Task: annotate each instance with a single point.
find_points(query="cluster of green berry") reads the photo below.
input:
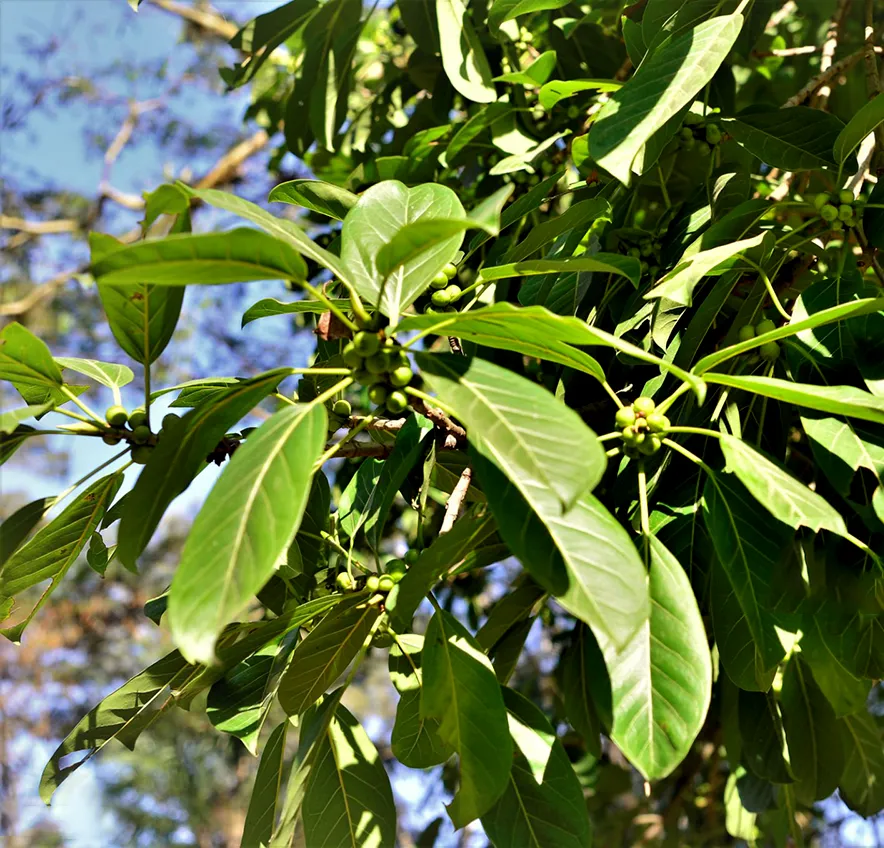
(641, 427)
(840, 215)
(644, 246)
(769, 350)
(394, 571)
(338, 415)
(381, 365)
(134, 428)
(698, 135)
(444, 293)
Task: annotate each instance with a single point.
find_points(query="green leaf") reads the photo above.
(245, 525)
(415, 740)
(54, 549)
(261, 814)
(862, 781)
(838, 400)
(502, 11)
(348, 800)
(382, 211)
(761, 735)
(240, 255)
(748, 544)
(583, 556)
(816, 755)
(844, 691)
(518, 425)
(415, 239)
(269, 307)
(10, 419)
(679, 284)
(10, 443)
(25, 361)
(795, 139)
(175, 461)
(662, 680)
(579, 215)
(787, 499)
(554, 91)
(664, 84)
(325, 198)
(461, 690)
(869, 116)
(536, 74)
(98, 556)
(586, 688)
(463, 57)
(16, 528)
(107, 373)
(606, 263)
(483, 120)
(543, 803)
(324, 654)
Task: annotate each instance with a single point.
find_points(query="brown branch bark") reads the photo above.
(39, 228)
(210, 21)
(456, 500)
(823, 78)
(452, 430)
(873, 78)
(830, 45)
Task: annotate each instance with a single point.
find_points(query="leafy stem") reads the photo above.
(91, 413)
(320, 295)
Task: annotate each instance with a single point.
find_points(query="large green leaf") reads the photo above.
(518, 425)
(578, 216)
(870, 116)
(841, 447)
(748, 543)
(348, 802)
(175, 461)
(415, 739)
(463, 57)
(11, 418)
(382, 211)
(585, 688)
(838, 400)
(662, 680)
(462, 692)
(15, 529)
(794, 139)
(107, 373)
(25, 361)
(662, 86)
(236, 256)
(862, 781)
(816, 755)
(583, 556)
(762, 740)
(788, 499)
(556, 90)
(269, 307)
(502, 11)
(536, 74)
(54, 549)
(261, 814)
(325, 198)
(324, 654)
(543, 803)
(11, 442)
(245, 525)
(846, 692)
(606, 263)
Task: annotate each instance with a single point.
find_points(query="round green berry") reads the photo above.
(396, 566)
(382, 640)
(377, 364)
(137, 417)
(688, 143)
(746, 333)
(692, 119)
(440, 281)
(837, 226)
(396, 402)
(845, 212)
(141, 434)
(713, 134)
(386, 583)
(366, 343)
(440, 298)
(650, 445)
(820, 200)
(401, 376)
(454, 292)
(377, 394)
(110, 439)
(624, 417)
(364, 377)
(141, 454)
(658, 423)
(342, 408)
(686, 133)
(643, 406)
(372, 583)
(116, 415)
(352, 358)
(765, 326)
(171, 422)
(450, 270)
(845, 196)
(769, 351)
(630, 435)
(634, 252)
(703, 149)
(828, 212)
(411, 556)
(344, 581)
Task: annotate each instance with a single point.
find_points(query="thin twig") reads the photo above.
(781, 14)
(39, 228)
(873, 80)
(439, 418)
(209, 21)
(822, 78)
(830, 45)
(785, 52)
(456, 499)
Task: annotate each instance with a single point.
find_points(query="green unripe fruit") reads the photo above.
(845, 212)
(688, 143)
(703, 149)
(342, 408)
(396, 402)
(137, 417)
(411, 556)
(765, 326)
(624, 417)
(440, 298)
(634, 252)
(573, 112)
(382, 640)
(110, 439)
(837, 226)
(845, 196)
(344, 582)
(385, 583)
(141, 454)
(650, 445)
(116, 415)
(686, 133)
(828, 212)
(692, 119)
(396, 566)
(450, 270)
(746, 333)
(171, 422)
(401, 376)
(646, 249)
(630, 435)
(377, 394)
(769, 351)
(713, 134)
(372, 583)
(366, 343)
(377, 364)
(364, 377)
(141, 434)
(658, 423)
(439, 281)
(454, 292)
(643, 406)
(820, 200)
(352, 358)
